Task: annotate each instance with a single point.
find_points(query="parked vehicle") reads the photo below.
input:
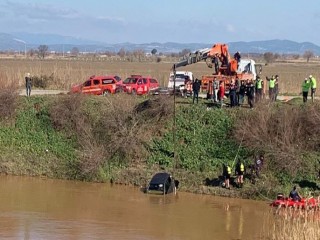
(98, 85)
(137, 84)
(180, 79)
(162, 183)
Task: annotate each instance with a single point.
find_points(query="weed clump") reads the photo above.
(110, 131)
(288, 135)
(8, 98)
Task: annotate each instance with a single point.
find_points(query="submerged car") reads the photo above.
(162, 183)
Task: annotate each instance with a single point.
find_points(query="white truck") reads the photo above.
(180, 79)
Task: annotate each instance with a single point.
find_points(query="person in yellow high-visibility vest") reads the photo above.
(227, 175)
(305, 89)
(272, 85)
(313, 86)
(239, 172)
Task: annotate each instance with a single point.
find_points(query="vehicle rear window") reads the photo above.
(130, 80)
(107, 81)
(153, 80)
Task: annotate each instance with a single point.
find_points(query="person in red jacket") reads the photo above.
(221, 92)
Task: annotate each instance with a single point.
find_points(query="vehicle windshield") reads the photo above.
(117, 78)
(130, 80)
(178, 77)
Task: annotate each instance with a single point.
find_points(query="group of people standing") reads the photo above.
(238, 90)
(309, 83)
(240, 170)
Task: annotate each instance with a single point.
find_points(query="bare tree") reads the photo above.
(74, 51)
(122, 52)
(154, 51)
(308, 54)
(269, 57)
(184, 52)
(295, 56)
(42, 51)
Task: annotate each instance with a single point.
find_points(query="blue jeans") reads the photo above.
(195, 95)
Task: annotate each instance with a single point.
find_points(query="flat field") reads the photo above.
(68, 72)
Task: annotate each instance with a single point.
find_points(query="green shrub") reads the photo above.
(202, 141)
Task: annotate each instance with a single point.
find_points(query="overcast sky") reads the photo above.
(184, 21)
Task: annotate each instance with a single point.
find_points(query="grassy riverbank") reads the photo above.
(126, 140)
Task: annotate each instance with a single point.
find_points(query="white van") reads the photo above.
(180, 78)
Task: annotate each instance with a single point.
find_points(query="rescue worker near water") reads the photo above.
(305, 89)
(239, 172)
(313, 86)
(227, 175)
(259, 88)
(294, 195)
(272, 85)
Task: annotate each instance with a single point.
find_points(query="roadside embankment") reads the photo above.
(126, 139)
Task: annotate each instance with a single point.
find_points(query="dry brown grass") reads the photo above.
(69, 72)
(8, 97)
(285, 133)
(120, 132)
(290, 223)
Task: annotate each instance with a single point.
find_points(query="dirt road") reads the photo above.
(42, 92)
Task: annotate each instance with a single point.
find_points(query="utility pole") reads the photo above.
(25, 46)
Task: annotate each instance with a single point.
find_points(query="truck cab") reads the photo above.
(180, 79)
(249, 66)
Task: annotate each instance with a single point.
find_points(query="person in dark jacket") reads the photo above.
(294, 195)
(250, 92)
(242, 92)
(28, 84)
(196, 89)
(233, 94)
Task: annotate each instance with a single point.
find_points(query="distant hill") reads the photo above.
(18, 41)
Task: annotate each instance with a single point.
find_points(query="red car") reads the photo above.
(98, 85)
(137, 84)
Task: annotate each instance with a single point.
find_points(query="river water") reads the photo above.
(35, 208)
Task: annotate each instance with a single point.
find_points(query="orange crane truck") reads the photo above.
(226, 68)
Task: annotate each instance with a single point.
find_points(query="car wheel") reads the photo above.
(119, 90)
(106, 93)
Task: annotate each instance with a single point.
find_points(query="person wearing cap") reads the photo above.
(305, 89)
(28, 84)
(313, 86)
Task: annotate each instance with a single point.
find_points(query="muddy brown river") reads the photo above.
(34, 208)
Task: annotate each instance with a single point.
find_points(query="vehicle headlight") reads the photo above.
(160, 185)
